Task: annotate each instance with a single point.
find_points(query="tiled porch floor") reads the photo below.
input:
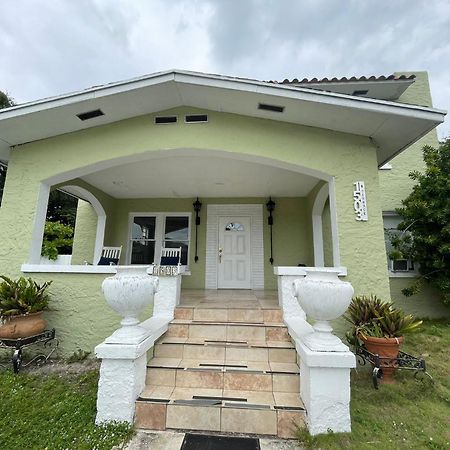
(229, 299)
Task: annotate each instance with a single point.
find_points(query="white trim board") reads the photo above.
(255, 212)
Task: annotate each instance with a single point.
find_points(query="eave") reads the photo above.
(391, 126)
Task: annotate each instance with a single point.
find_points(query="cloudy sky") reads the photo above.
(53, 47)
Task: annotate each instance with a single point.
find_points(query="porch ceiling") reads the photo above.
(205, 176)
(392, 126)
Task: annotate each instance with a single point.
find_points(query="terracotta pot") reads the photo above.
(22, 326)
(385, 348)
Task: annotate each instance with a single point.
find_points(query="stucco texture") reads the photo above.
(345, 157)
(395, 184)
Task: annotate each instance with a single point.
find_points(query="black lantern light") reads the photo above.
(197, 207)
(270, 207)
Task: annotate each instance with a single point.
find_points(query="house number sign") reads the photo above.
(359, 201)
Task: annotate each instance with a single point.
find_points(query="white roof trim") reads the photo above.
(15, 119)
(261, 87)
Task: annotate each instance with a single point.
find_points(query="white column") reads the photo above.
(317, 211)
(39, 224)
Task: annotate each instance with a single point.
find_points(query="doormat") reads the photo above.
(207, 442)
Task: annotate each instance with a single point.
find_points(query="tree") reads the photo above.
(426, 215)
(5, 100)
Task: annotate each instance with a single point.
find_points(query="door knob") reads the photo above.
(220, 254)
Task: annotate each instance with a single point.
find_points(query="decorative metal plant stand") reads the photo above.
(47, 338)
(404, 361)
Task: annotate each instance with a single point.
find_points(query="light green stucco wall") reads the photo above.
(395, 183)
(84, 235)
(361, 244)
(425, 304)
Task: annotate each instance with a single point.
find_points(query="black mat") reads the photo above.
(205, 442)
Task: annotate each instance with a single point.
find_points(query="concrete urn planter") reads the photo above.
(324, 297)
(128, 293)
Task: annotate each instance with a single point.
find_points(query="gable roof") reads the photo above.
(392, 126)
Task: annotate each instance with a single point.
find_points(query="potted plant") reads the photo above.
(21, 304)
(379, 326)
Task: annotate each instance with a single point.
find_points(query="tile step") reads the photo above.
(215, 314)
(185, 348)
(219, 415)
(221, 377)
(225, 364)
(228, 331)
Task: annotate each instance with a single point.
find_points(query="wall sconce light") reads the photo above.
(197, 207)
(270, 205)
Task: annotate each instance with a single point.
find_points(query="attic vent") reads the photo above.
(362, 92)
(165, 119)
(90, 114)
(273, 108)
(196, 118)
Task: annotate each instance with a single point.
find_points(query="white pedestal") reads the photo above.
(121, 382)
(168, 296)
(325, 389)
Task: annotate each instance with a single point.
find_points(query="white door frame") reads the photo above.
(213, 212)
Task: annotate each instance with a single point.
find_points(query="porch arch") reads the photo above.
(41, 212)
(68, 180)
(150, 154)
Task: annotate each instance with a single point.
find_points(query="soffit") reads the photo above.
(392, 126)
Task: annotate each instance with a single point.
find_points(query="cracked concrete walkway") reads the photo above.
(167, 440)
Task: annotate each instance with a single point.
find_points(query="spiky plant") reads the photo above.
(371, 316)
(22, 296)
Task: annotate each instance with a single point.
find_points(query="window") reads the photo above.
(234, 226)
(149, 233)
(397, 266)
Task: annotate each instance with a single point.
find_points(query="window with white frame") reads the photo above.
(150, 232)
(390, 223)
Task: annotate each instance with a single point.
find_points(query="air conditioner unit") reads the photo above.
(400, 265)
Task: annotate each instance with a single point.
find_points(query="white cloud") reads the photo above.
(49, 48)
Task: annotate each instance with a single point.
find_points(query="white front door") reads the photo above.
(234, 257)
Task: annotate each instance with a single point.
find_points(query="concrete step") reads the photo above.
(224, 410)
(197, 348)
(244, 331)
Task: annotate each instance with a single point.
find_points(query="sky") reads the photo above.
(53, 47)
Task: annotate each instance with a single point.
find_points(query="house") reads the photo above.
(331, 155)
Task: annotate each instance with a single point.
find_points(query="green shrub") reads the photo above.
(58, 239)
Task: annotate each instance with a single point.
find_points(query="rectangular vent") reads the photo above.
(361, 92)
(196, 118)
(165, 119)
(90, 114)
(273, 108)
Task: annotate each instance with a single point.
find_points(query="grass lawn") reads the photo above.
(411, 414)
(57, 412)
(53, 412)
